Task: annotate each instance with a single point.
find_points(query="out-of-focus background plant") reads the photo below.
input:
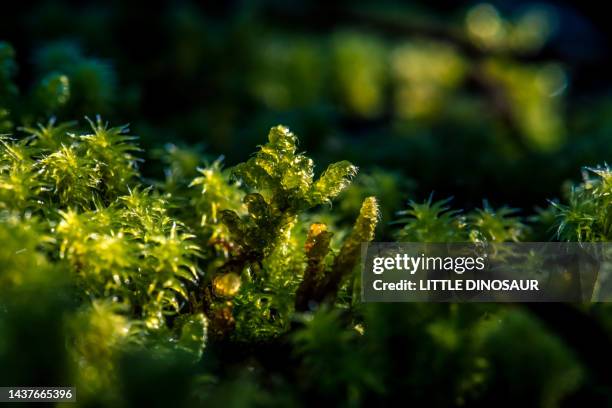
(467, 99)
(157, 272)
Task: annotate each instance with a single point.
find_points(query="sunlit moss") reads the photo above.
(24, 263)
(435, 222)
(586, 216)
(268, 252)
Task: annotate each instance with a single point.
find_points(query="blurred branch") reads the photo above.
(499, 102)
(394, 22)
